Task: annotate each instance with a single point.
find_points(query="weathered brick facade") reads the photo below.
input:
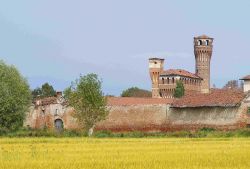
(142, 114)
(164, 81)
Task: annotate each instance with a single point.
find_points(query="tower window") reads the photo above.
(155, 62)
(207, 42)
(200, 42)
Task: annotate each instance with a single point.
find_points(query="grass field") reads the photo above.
(151, 153)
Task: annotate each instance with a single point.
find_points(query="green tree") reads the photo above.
(15, 98)
(86, 97)
(179, 90)
(36, 92)
(136, 92)
(46, 90)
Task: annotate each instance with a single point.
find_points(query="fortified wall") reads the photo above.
(226, 111)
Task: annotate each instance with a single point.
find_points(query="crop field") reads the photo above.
(151, 153)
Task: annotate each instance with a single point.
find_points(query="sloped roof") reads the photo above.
(125, 101)
(203, 37)
(179, 72)
(216, 98)
(246, 78)
(156, 59)
(46, 101)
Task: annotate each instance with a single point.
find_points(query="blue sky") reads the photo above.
(57, 40)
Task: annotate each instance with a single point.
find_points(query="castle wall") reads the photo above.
(211, 117)
(163, 118)
(152, 117)
(135, 117)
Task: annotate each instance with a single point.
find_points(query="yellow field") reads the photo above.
(52, 153)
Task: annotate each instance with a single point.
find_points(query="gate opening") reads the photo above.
(59, 125)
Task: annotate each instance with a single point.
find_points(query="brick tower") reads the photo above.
(155, 68)
(203, 47)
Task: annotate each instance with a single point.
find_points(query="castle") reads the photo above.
(224, 109)
(164, 81)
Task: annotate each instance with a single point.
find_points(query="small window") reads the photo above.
(200, 42)
(155, 62)
(56, 112)
(162, 80)
(207, 42)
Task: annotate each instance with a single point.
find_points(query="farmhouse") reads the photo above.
(224, 109)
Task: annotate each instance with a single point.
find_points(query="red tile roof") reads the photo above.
(125, 101)
(246, 78)
(216, 98)
(179, 72)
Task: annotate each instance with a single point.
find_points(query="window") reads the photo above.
(248, 110)
(56, 112)
(162, 80)
(207, 42)
(200, 42)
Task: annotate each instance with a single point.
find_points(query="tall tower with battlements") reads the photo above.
(156, 66)
(203, 47)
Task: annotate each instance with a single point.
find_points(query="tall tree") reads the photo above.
(136, 92)
(179, 90)
(15, 98)
(86, 97)
(48, 90)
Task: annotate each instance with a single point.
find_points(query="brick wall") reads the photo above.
(151, 117)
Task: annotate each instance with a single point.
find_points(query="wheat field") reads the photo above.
(150, 153)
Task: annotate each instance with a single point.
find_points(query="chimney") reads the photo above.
(246, 86)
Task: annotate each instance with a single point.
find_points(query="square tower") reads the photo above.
(156, 66)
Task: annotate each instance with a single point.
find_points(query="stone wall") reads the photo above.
(40, 117)
(150, 117)
(135, 117)
(211, 117)
(163, 118)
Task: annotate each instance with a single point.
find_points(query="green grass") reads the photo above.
(202, 133)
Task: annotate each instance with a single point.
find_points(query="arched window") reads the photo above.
(168, 80)
(162, 80)
(207, 42)
(173, 79)
(199, 42)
